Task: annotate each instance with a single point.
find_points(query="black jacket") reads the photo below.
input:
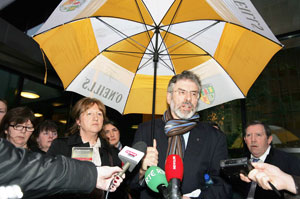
(40, 175)
(35, 148)
(63, 146)
(286, 162)
(205, 148)
(108, 154)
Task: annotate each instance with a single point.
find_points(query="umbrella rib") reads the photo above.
(183, 56)
(183, 40)
(167, 65)
(188, 55)
(149, 37)
(187, 39)
(124, 35)
(171, 23)
(150, 59)
(126, 52)
(163, 39)
(145, 64)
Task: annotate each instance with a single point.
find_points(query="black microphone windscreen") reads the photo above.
(140, 146)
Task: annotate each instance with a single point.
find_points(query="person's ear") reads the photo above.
(169, 97)
(270, 138)
(78, 122)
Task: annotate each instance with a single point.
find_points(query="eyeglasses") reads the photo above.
(19, 127)
(183, 93)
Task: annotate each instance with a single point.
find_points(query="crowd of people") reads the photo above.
(95, 141)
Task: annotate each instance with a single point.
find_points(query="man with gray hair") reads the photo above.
(200, 146)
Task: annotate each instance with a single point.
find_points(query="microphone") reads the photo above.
(132, 156)
(174, 174)
(155, 179)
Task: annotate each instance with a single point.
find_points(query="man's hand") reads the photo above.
(150, 159)
(265, 173)
(105, 175)
(244, 178)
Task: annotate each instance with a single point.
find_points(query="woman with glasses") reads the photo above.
(17, 126)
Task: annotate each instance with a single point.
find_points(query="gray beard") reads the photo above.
(179, 114)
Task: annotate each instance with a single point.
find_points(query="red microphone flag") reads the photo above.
(174, 167)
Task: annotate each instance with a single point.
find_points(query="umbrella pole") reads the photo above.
(155, 61)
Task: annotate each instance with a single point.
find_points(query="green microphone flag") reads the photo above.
(154, 177)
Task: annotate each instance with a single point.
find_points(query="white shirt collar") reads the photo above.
(96, 154)
(186, 138)
(264, 156)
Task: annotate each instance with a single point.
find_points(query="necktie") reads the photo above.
(253, 184)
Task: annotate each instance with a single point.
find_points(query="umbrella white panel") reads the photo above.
(217, 86)
(104, 80)
(231, 10)
(59, 16)
(205, 34)
(275, 128)
(158, 8)
(107, 36)
(275, 139)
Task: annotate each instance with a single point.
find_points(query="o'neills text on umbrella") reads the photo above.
(102, 91)
(242, 6)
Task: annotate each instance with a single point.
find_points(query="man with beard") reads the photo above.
(200, 146)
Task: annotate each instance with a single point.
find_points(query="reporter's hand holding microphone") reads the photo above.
(109, 178)
(264, 174)
(105, 176)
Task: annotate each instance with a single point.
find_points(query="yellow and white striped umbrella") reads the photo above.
(113, 49)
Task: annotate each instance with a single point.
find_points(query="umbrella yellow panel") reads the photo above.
(244, 54)
(286, 136)
(238, 143)
(140, 96)
(125, 9)
(80, 45)
(189, 11)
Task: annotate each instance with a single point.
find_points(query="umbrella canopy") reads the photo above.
(238, 143)
(125, 52)
(280, 136)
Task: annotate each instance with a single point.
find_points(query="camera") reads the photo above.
(233, 167)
